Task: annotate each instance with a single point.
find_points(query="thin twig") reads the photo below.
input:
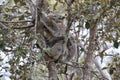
(24, 26)
(16, 21)
(3, 26)
(71, 65)
(93, 72)
(36, 20)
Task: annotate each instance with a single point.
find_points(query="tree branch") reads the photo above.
(16, 21)
(24, 26)
(3, 26)
(90, 53)
(71, 64)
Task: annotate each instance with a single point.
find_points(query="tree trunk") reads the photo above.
(52, 71)
(89, 58)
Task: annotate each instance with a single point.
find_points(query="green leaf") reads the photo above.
(2, 45)
(21, 17)
(54, 7)
(111, 71)
(82, 49)
(87, 25)
(104, 68)
(101, 54)
(24, 52)
(116, 44)
(16, 1)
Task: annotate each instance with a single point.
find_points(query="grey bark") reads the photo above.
(52, 71)
(87, 72)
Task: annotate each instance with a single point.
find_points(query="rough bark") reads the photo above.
(90, 54)
(52, 71)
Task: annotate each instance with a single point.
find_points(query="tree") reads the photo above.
(55, 34)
